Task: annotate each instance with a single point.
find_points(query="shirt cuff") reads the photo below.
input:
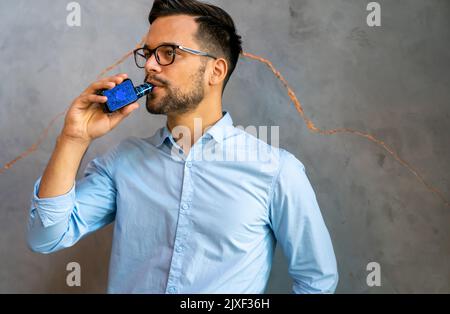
(53, 210)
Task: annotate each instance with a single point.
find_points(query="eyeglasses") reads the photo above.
(164, 54)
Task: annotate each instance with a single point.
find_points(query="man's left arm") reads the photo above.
(298, 226)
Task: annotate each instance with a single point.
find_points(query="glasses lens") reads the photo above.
(165, 55)
(140, 57)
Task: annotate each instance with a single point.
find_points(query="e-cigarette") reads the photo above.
(124, 94)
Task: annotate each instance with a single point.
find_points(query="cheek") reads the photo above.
(181, 84)
(183, 78)
(177, 79)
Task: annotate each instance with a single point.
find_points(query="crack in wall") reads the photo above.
(311, 126)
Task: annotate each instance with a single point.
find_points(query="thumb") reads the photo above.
(122, 113)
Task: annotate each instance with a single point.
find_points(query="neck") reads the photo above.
(180, 124)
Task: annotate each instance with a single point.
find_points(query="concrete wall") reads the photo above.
(391, 81)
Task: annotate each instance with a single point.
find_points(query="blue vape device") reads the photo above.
(124, 94)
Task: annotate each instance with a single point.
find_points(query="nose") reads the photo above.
(152, 65)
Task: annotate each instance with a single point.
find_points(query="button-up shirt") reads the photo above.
(203, 222)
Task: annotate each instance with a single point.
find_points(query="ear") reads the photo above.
(219, 71)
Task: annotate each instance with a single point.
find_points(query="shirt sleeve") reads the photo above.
(299, 228)
(60, 222)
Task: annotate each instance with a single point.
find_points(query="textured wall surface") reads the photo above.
(390, 81)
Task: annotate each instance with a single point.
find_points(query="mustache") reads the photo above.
(158, 80)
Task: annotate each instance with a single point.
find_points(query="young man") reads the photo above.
(183, 223)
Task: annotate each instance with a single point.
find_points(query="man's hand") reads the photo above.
(86, 120)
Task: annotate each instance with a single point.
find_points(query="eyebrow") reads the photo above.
(163, 43)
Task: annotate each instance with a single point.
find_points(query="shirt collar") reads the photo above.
(221, 128)
(218, 131)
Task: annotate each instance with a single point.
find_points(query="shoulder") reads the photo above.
(117, 152)
(289, 162)
(283, 164)
(131, 149)
(130, 142)
(291, 174)
(122, 147)
(257, 141)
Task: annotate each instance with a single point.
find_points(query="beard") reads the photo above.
(175, 100)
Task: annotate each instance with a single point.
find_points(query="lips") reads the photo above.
(154, 84)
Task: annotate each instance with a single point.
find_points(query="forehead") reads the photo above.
(178, 29)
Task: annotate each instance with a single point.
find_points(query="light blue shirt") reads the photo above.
(207, 222)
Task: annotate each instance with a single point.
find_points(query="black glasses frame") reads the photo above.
(141, 52)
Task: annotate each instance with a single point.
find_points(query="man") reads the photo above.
(183, 223)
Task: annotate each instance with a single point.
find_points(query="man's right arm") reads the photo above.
(62, 168)
(58, 222)
(63, 210)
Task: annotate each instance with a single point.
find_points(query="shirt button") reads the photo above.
(179, 249)
(185, 206)
(189, 164)
(172, 289)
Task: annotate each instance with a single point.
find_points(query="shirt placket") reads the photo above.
(182, 231)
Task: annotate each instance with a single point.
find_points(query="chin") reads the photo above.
(154, 107)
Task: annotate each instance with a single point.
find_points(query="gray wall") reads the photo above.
(391, 81)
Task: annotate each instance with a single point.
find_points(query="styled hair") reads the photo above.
(216, 32)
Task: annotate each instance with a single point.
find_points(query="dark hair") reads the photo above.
(216, 31)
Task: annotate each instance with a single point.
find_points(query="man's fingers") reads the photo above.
(94, 87)
(122, 113)
(128, 109)
(106, 83)
(114, 78)
(117, 79)
(87, 100)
